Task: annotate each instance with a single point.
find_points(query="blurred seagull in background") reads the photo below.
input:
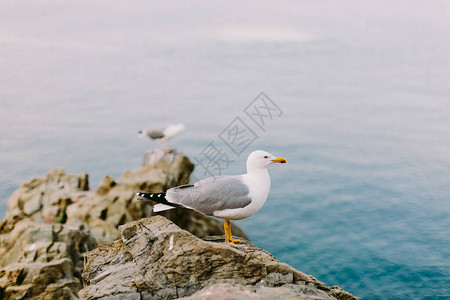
(226, 197)
(162, 134)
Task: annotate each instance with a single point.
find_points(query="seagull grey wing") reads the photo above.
(211, 194)
(155, 134)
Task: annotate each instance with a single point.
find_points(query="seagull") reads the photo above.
(229, 197)
(161, 134)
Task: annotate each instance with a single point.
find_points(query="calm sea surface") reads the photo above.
(364, 199)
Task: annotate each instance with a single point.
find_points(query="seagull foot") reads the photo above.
(234, 240)
(231, 241)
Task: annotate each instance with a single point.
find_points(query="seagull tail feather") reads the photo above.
(161, 207)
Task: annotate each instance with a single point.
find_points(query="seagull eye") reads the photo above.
(266, 156)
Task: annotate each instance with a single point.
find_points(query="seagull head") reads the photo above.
(261, 159)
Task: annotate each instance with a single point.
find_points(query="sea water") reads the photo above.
(363, 118)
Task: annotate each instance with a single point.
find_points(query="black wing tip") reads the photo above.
(158, 197)
(153, 196)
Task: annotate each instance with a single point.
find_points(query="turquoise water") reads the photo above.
(363, 201)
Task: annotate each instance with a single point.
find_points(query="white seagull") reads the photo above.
(162, 134)
(229, 197)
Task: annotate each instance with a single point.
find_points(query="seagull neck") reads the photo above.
(258, 172)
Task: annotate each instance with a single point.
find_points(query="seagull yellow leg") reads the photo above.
(225, 229)
(228, 238)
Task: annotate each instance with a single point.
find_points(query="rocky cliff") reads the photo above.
(52, 220)
(155, 259)
(59, 235)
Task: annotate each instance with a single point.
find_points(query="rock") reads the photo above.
(51, 221)
(105, 185)
(224, 291)
(44, 199)
(43, 261)
(155, 259)
(176, 167)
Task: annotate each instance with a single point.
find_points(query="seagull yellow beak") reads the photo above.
(279, 160)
